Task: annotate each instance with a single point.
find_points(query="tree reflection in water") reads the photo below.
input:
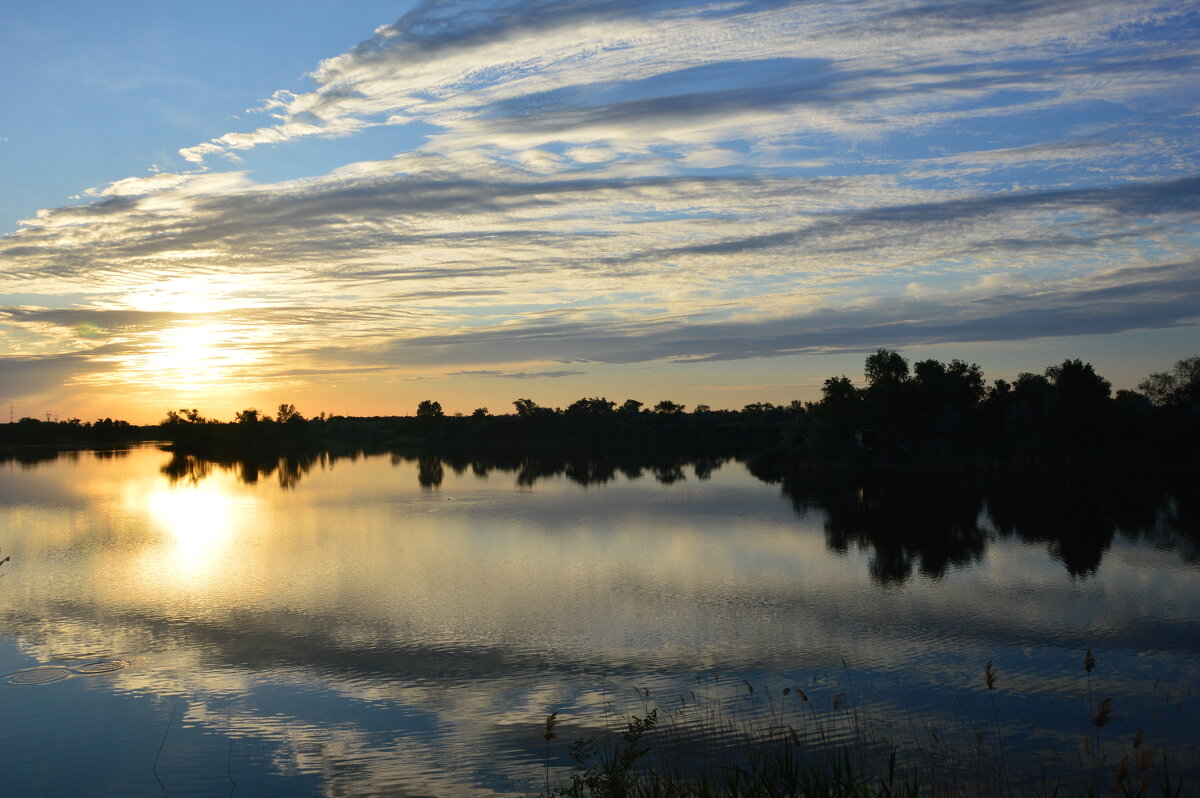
(934, 523)
(909, 523)
(288, 469)
(930, 530)
(429, 471)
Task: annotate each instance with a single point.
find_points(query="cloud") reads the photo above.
(513, 270)
(864, 229)
(114, 320)
(517, 74)
(514, 375)
(1131, 299)
(32, 376)
(622, 183)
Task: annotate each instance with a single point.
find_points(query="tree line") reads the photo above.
(900, 410)
(34, 431)
(933, 407)
(589, 424)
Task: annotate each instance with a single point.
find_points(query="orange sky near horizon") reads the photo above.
(709, 203)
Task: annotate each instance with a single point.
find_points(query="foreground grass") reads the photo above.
(709, 747)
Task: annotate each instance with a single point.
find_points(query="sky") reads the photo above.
(354, 207)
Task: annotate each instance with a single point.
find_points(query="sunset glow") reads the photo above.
(480, 200)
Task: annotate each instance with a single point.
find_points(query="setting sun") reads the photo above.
(716, 204)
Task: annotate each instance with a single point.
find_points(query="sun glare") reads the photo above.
(193, 357)
(180, 295)
(187, 349)
(182, 357)
(202, 522)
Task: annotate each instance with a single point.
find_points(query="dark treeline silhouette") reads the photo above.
(935, 410)
(904, 414)
(593, 425)
(924, 464)
(73, 432)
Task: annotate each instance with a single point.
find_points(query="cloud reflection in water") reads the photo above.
(359, 627)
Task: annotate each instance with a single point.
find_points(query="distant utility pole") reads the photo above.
(47, 416)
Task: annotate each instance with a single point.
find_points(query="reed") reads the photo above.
(734, 738)
(548, 735)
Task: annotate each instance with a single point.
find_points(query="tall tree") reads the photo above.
(428, 408)
(885, 365)
(1179, 387)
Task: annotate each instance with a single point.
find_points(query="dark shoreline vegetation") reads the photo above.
(828, 740)
(904, 418)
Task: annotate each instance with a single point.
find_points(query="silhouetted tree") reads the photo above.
(1081, 399)
(886, 395)
(527, 407)
(429, 409)
(885, 366)
(1030, 407)
(630, 408)
(830, 423)
(1078, 386)
(1177, 388)
(183, 416)
(943, 399)
(595, 406)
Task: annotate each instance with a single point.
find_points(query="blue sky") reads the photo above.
(354, 208)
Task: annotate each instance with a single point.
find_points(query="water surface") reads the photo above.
(383, 624)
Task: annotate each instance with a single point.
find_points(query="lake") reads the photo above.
(402, 625)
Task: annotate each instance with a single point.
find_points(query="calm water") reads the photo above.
(384, 625)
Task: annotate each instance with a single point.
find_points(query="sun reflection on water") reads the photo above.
(202, 521)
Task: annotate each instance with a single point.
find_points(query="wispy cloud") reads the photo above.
(1132, 299)
(514, 375)
(619, 183)
(518, 74)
